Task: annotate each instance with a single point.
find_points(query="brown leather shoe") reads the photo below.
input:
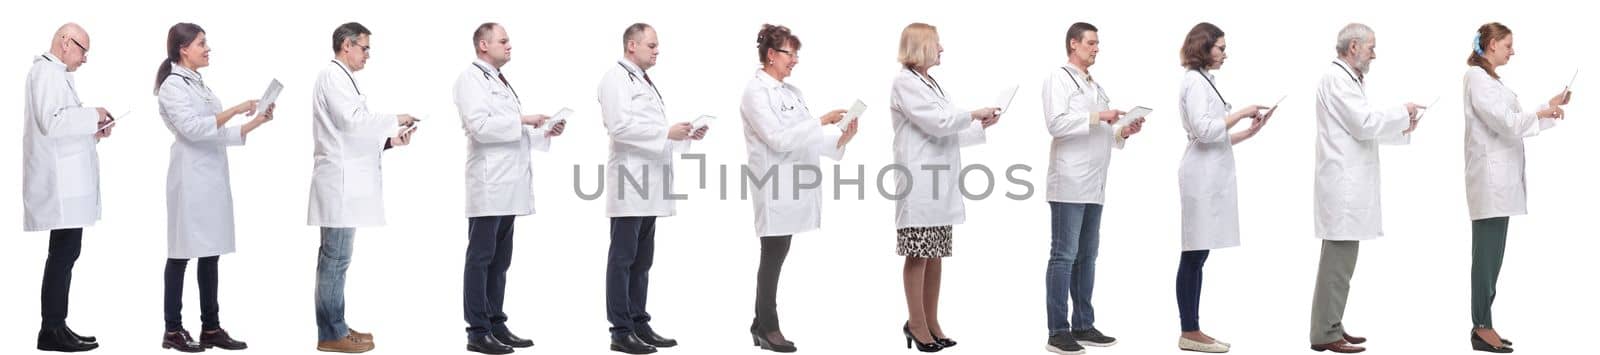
(1338, 346)
(1354, 339)
(349, 344)
(360, 335)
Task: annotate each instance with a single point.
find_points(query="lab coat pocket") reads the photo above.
(500, 178)
(363, 178)
(76, 174)
(1503, 174)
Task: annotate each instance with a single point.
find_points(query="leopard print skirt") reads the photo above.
(924, 242)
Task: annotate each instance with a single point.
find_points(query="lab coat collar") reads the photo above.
(1360, 79)
(1075, 70)
(493, 72)
(768, 80)
(182, 71)
(342, 66)
(52, 59)
(632, 68)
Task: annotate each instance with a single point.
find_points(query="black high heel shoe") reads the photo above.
(1481, 345)
(927, 348)
(759, 339)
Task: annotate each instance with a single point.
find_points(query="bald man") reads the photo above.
(61, 176)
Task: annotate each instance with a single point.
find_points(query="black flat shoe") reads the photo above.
(220, 339)
(62, 340)
(631, 344)
(181, 341)
(512, 340)
(923, 347)
(1479, 344)
(487, 344)
(649, 336)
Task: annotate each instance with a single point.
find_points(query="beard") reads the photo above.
(1365, 66)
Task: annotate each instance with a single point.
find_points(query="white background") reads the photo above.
(841, 290)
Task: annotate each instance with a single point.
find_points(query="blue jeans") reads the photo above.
(484, 280)
(1074, 245)
(633, 248)
(333, 258)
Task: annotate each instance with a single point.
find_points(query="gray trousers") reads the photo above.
(1333, 289)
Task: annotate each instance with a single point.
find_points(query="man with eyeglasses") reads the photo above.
(346, 184)
(61, 176)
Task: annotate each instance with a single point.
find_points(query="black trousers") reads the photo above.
(633, 250)
(207, 276)
(773, 251)
(54, 291)
(484, 280)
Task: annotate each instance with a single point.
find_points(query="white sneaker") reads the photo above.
(1190, 345)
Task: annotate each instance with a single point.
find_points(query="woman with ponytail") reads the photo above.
(199, 198)
(1495, 161)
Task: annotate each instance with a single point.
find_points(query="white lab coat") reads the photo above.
(61, 169)
(1496, 125)
(929, 132)
(1206, 182)
(1080, 145)
(346, 178)
(499, 167)
(199, 195)
(1349, 130)
(637, 122)
(781, 134)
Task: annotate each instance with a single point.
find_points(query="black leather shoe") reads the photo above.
(630, 343)
(62, 339)
(649, 336)
(512, 340)
(91, 339)
(181, 341)
(487, 344)
(220, 339)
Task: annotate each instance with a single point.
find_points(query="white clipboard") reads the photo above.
(1424, 110)
(850, 116)
(113, 120)
(1138, 112)
(1004, 101)
(558, 118)
(268, 98)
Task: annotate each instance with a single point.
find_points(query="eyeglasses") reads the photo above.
(785, 51)
(80, 45)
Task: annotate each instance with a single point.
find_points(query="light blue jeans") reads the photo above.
(332, 261)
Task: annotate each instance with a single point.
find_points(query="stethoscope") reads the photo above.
(69, 82)
(347, 75)
(635, 78)
(486, 75)
(1099, 91)
(928, 81)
